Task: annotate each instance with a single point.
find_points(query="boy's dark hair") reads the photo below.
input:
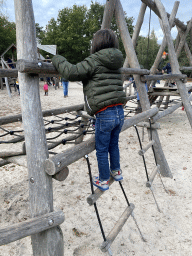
(104, 38)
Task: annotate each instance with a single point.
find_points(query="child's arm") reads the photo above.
(78, 72)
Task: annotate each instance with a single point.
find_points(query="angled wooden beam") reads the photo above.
(174, 62)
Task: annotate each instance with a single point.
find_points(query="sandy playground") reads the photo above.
(167, 233)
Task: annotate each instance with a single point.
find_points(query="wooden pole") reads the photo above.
(183, 39)
(152, 4)
(130, 52)
(137, 29)
(164, 42)
(174, 62)
(50, 242)
(108, 14)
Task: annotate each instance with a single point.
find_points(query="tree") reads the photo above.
(147, 49)
(7, 33)
(73, 30)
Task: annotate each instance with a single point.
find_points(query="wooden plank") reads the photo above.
(97, 193)
(8, 73)
(117, 228)
(144, 149)
(49, 242)
(30, 227)
(162, 77)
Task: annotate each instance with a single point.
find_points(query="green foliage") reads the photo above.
(147, 49)
(7, 34)
(73, 30)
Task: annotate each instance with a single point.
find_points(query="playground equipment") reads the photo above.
(41, 167)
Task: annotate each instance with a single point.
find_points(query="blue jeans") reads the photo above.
(65, 87)
(107, 129)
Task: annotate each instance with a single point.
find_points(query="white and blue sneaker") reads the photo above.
(117, 175)
(101, 184)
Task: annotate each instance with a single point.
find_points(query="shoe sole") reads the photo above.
(117, 179)
(102, 189)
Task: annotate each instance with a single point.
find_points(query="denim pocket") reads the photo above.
(107, 125)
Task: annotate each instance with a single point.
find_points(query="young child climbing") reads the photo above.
(45, 88)
(104, 98)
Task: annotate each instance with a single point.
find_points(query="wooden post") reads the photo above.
(174, 62)
(164, 42)
(130, 52)
(50, 242)
(137, 29)
(108, 14)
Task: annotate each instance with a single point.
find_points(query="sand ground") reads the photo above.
(167, 233)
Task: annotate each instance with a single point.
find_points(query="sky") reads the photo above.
(44, 10)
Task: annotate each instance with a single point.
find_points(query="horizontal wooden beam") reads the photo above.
(117, 228)
(8, 72)
(162, 77)
(186, 68)
(18, 118)
(29, 67)
(30, 227)
(59, 161)
(134, 71)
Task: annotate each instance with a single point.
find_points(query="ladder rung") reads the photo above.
(97, 193)
(152, 177)
(117, 228)
(142, 151)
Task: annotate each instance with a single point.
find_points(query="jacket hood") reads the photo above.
(111, 58)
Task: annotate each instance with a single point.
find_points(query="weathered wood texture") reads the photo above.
(117, 228)
(29, 67)
(50, 242)
(137, 29)
(97, 193)
(152, 4)
(144, 150)
(108, 14)
(162, 77)
(59, 161)
(8, 73)
(152, 176)
(30, 227)
(168, 111)
(174, 62)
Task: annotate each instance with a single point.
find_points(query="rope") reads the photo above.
(95, 206)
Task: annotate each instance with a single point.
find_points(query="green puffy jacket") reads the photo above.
(101, 77)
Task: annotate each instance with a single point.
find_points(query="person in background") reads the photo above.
(10, 62)
(104, 97)
(65, 85)
(17, 85)
(45, 88)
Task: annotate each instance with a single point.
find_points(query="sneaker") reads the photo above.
(102, 185)
(117, 175)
